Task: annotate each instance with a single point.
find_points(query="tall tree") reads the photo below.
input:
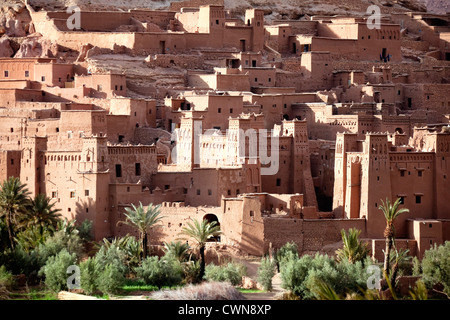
(42, 214)
(391, 212)
(201, 232)
(14, 199)
(142, 219)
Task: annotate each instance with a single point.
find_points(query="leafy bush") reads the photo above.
(286, 250)
(55, 270)
(32, 237)
(436, 266)
(160, 272)
(112, 255)
(231, 272)
(304, 276)
(70, 241)
(110, 279)
(89, 275)
(6, 278)
(18, 261)
(85, 230)
(416, 268)
(266, 271)
(191, 271)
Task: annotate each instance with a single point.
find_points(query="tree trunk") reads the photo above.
(202, 262)
(394, 273)
(144, 245)
(10, 230)
(387, 255)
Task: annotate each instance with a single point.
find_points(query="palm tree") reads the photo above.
(391, 212)
(143, 219)
(401, 256)
(13, 202)
(42, 214)
(178, 250)
(201, 232)
(353, 250)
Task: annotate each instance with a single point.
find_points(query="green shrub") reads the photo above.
(110, 279)
(436, 266)
(6, 278)
(55, 270)
(18, 261)
(416, 268)
(71, 242)
(160, 272)
(191, 271)
(85, 230)
(89, 270)
(266, 271)
(231, 272)
(112, 255)
(286, 251)
(304, 276)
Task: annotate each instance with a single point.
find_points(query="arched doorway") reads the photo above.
(210, 217)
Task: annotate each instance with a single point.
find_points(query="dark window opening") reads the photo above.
(418, 199)
(137, 169)
(118, 171)
(278, 182)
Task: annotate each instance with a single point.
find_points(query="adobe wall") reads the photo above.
(14, 84)
(279, 231)
(377, 246)
(300, 27)
(9, 164)
(137, 164)
(321, 232)
(177, 5)
(180, 60)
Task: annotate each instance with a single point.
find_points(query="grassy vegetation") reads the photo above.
(37, 293)
(242, 290)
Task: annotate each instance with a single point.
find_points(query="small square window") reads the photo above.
(86, 193)
(419, 173)
(198, 192)
(278, 182)
(27, 74)
(54, 194)
(72, 194)
(209, 192)
(6, 73)
(418, 199)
